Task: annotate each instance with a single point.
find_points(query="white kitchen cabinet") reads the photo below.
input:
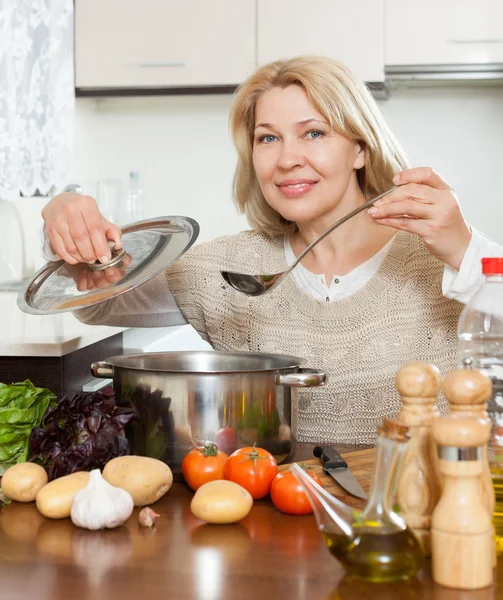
(351, 32)
(163, 43)
(443, 32)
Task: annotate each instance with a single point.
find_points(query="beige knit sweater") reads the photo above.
(400, 315)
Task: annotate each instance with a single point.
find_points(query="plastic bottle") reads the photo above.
(480, 328)
(480, 332)
(133, 206)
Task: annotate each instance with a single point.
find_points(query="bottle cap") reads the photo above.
(492, 266)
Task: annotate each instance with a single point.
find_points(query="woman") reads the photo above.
(378, 292)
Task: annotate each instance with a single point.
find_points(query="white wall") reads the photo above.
(459, 132)
(182, 150)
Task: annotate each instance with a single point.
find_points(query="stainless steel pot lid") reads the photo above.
(148, 247)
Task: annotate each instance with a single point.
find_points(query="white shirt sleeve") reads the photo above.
(47, 251)
(461, 285)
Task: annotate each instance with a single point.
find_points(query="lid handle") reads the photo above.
(117, 256)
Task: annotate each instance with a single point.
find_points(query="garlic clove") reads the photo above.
(101, 505)
(147, 517)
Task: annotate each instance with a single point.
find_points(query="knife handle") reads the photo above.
(329, 457)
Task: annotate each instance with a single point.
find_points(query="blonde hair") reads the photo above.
(350, 110)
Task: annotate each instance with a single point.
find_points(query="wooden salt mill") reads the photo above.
(468, 391)
(461, 528)
(418, 490)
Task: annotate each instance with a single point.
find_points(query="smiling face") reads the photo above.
(304, 169)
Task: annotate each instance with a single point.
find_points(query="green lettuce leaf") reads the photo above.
(22, 406)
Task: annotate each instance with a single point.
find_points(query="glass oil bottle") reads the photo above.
(376, 544)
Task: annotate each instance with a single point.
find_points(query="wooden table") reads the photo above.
(269, 555)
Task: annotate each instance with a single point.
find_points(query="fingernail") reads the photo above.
(396, 178)
(104, 260)
(372, 211)
(377, 202)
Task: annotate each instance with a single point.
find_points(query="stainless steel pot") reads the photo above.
(236, 399)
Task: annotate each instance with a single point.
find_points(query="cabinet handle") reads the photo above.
(481, 41)
(96, 384)
(156, 65)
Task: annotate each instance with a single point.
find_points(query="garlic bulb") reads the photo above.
(101, 505)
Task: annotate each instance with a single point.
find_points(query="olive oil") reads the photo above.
(377, 557)
(497, 478)
(375, 544)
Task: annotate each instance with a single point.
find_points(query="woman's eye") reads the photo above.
(314, 134)
(267, 138)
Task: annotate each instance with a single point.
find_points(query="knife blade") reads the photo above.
(335, 466)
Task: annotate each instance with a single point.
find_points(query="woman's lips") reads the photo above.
(295, 188)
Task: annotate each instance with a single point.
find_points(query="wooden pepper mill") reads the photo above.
(418, 490)
(468, 391)
(461, 528)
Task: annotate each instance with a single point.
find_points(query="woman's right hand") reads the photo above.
(77, 230)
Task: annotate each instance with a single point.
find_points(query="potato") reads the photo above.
(23, 481)
(146, 479)
(221, 501)
(55, 499)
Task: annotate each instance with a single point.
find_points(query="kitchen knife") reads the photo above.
(335, 466)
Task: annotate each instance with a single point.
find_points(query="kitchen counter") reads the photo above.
(22, 334)
(56, 351)
(266, 556)
(26, 335)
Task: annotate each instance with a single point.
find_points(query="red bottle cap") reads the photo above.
(492, 266)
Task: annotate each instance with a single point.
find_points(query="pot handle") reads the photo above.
(102, 369)
(302, 378)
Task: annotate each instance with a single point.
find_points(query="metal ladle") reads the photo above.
(256, 285)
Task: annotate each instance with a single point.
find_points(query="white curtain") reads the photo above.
(36, 95)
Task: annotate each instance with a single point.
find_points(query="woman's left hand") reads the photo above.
(425, 204)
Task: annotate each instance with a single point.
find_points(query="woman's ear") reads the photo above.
(360, 156)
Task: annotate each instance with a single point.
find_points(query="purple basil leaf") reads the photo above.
(123, 446)
(82, 432)
(93, 422)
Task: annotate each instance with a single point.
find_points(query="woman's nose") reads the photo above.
(291, 156)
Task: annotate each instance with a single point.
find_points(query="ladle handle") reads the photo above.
(337, 224)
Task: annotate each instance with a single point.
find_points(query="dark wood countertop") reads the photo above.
(268, 555)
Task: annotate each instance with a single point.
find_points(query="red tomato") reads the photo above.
(203, 464)
(226, 440)
(287, 493)
(252, 468)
